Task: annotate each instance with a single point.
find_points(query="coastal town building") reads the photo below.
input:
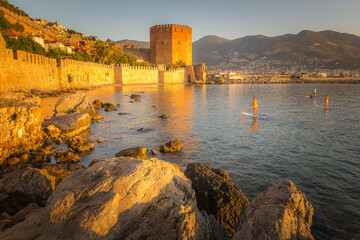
(170, 43)
(39, 40)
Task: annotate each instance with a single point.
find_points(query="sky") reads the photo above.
(231, 19)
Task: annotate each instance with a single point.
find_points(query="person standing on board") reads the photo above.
(326, 101)
(314, 94)
(255, 106)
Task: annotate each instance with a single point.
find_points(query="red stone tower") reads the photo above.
(170, 43)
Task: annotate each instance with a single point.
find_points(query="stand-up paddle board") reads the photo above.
(324, 107)
(252, 115)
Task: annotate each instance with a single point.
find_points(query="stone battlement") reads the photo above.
(170, 26)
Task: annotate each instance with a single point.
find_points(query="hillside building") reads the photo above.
(170, 43)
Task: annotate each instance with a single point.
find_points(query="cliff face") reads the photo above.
(20, 125)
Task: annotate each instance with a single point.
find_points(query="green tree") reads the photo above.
(24, 44)
(101, 50)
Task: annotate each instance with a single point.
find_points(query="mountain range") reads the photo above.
(306, 50)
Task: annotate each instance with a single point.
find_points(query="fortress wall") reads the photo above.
(173, 76)
(137, 75)
(76, 74)
(29, 71)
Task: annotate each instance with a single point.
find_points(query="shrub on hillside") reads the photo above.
(24, 44)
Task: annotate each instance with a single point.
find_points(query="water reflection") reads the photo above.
(255, 126)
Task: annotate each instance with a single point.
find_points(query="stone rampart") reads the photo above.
(136, 75)
(173, 76)
(24, 71)
(75, 74)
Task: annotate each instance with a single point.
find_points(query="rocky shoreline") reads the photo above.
(44, 194)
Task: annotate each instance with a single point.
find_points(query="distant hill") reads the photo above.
(139, 44)
(306, 50)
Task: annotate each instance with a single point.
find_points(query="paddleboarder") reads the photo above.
(255, 106)
(326, 101)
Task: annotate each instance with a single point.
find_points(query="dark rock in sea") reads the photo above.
(123, 113)
(79, 144)
(100, 140)
(280, 212)
(136, 97)
(137, 152)
(154, 152)
(70, 124)
(97, 104)
(216, 194)
(121, 199)
(108, 106)
(118, 105)
(171, 146)
(164, 116)
(21, 187)
(76, 103)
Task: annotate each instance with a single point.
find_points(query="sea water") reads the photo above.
(317, 149)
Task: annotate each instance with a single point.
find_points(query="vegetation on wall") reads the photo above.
(7, 5)
(178, 64)
(5, 24)
(23, 44)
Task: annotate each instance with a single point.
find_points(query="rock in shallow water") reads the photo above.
(121, 198)
(136, 152)
(171, 146)
(281, 212)
(216, 194)
(76, 103)
(79, 144)
(70, 124)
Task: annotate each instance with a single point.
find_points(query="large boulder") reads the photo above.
(136, 152)
(121, 198)
(70, 124)
(216, 194)
(76, 103)
(280, 212)
(23, 186)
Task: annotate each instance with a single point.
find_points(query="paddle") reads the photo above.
(246, 109)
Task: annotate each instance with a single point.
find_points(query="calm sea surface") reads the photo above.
(318, 150)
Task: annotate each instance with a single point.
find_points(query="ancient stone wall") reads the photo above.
(170, 43)
(75, 74)
(136, 75)
(25, 71)
(173, 76)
